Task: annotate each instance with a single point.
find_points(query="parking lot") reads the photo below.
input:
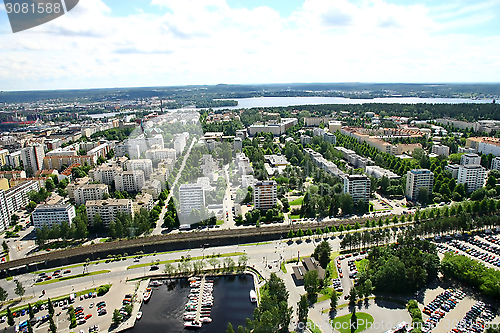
(446, 305)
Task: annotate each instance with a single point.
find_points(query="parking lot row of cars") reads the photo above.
(440, 306)
(56, 274)
(480, 255)
(475, 319)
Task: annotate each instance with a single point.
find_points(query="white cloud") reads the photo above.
(207, 42)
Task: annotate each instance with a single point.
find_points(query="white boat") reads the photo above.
(147, 294)
(253, 296)
(192, 324)
(139, 315)
(155, 284)
(194, 278)
(206, 320)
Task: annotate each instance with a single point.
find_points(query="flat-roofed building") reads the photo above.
(453, 168)
(90, 192)
(470, 159)
(161, 154)
(105, 173)
(417, 179)
(141, 164)
(265, 194)
(441, 150)
(33, 158)
(107, 209)
(130, 181)
(145, 201)
(191, 196)
(152, 187)
(50, 215)
(358, 186)
(472, 175)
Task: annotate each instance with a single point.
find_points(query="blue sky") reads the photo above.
(125, 43)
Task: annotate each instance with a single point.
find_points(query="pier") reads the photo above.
(200, 299)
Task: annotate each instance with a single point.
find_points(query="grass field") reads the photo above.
(65, 278)
(233, 254)
(342, 323)
(297, 202)
(361, 265)
(294, 217)
(312, 326)
(283, 268)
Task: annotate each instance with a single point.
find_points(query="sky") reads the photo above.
(138, 43)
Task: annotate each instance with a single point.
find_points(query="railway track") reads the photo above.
(180, 239)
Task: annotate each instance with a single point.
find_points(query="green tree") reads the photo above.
(3, 294)
(322, 253)
(229, 328)
(19, 291)
(50, 307)
(49, 185)
(31, 312)
(30, 329)
(241, 329)
(52, 325)
(311, 284)
(117, 317)
(334, 300)
(10, 318)
(5, 246)
(303, 309)
(423, 195)
(354, 321)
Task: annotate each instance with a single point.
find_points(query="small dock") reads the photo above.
(200, 299)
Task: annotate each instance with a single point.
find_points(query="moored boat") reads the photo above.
(192, 324)
(139, 315)
(253, 296)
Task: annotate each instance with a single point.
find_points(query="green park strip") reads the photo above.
(283, 267)
(253, 244)
(65, 278)
(180, 260)
(55, 299)
(313, 327)
(297, 202)
(343, 323)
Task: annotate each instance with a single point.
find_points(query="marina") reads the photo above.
(206, 305)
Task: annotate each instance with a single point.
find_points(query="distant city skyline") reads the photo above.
(130, 43)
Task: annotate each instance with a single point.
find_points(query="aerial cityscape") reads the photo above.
(243, 166)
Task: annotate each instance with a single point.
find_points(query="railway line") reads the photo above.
(179, 240)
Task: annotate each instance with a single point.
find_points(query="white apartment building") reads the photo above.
(107, 209)
(105, 174)
(453, 168)
(142, 164)
(75, 184)
(14, 159)
(334, 125)
(470, 159)
(180, 142)
(161, 154)
(441, 150)
(191, 196)
(32, 158)
(379, 172)
(152, 187)
(238, 144)
(145, 143)
(13, 199)
(160, 175)
(127, 149)
(495, 163)
(265, 194)
(145, 201)
(472, 175)
(130, 181)
(416, 179)
(358, 186)
(90, 192)
(50, 215)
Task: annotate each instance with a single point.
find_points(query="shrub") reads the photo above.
(103, 289)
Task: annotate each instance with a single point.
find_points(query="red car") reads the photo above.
(88, 316)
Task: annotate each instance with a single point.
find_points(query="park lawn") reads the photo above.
(342, 323)
(294, 217)
(253, 244)
(233, 254)
(283, 267)
(65, 278)
(361, 265)
(312, 326)
(219, 222)
(297, 202)
(332, 267)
